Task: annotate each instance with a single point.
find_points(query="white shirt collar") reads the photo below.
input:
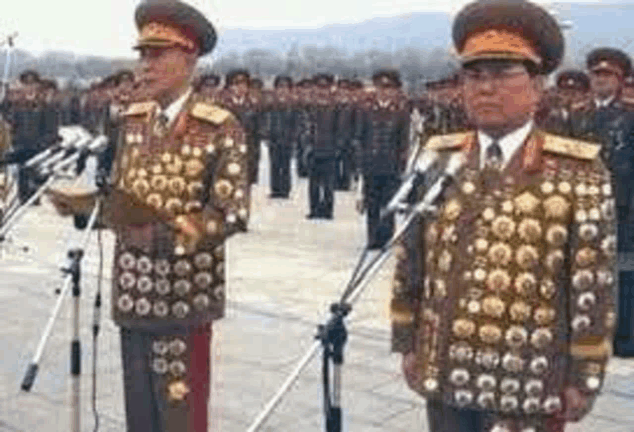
(509, 144)
(175, 107)
(603, 103)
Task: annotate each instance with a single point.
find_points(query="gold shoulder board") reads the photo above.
(210, 113)
(627, 100)
(446, 142)
(139, 108)
(570, 147)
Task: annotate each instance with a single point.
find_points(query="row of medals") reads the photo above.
(169, 358)
(146, 289)
(503, 227)
(167, 182)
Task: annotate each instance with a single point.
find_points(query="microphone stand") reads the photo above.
(73, 277)
(332, 336)
(7, 63)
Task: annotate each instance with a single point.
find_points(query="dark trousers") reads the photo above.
(253, 145)
(624, 335)
(378, 191)
(344, 169)
(446, 418)
(280, 155)
(148, 405)
(321, 186)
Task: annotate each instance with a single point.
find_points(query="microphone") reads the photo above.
(420, 167)
(88, 147)
(435, 192)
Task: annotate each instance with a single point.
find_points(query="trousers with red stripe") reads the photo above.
(166, 378)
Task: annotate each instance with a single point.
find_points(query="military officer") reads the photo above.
(384, 152)
(321, 150)
(209, 85)
(187, 159)
(283, 124)
(238, 98)
(554, 116)
(305, 126)
(503, 305)
(5, 145)
(346, 110)
(608, 117)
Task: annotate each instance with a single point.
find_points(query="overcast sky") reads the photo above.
(106, 27)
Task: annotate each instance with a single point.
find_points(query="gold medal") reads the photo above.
(468, 188)
(548, 289)
(588, 232)
(223, 189)
(177, 391)
(516, 336)
(195, 189)
(193, 168)
(556, 207)
(452, 210)
(493, 306)
(547, 188)
(166, 157)
(233, 169)
(554, 261)
(525, 284)
(174, 206)
(186, 150)
(526, 204)
(544, 316)
(140, 187)
(498, 280)
(541, 338)
(175, 167)
(488, 214)
(608, 246)
(582, 280)
(157, 169)
(193, 206)
(158, 183)
(507, 207)
(463, 328)
(131, 174)
(564, 188)
(503, 227)
(519, 311)
(490, 334)
(210, 148)
(557, 235)
(530, 230)
(526, 256)
(481, 245)
(228, 143)
(586, 257)
(177, 185)
(155, 200)
(500, 254)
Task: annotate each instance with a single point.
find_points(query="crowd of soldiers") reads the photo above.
(347, 134)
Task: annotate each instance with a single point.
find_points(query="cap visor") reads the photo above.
(154, 43)
(497, 56)
(607, 68)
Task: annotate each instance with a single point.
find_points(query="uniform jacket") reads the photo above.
(198, 167)
(385, 135)
(506, 295)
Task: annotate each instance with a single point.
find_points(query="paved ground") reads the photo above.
(282, 276)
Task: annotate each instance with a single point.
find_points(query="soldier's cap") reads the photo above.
(123, 75)
(323, 79)
(29, 74)
(306, 82)
(282, 79)
(165, 23)
(386, 78)
(211, 79)
(609, 59)
(508, 30)
(573, 80)
(344, 83)
(49, 84)
(235, 76)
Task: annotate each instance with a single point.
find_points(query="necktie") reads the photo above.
(493, 156)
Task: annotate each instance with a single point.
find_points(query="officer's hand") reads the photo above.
(576, 404)
(189, 233)
(410, 369)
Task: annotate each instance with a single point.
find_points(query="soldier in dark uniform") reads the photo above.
(346, 110)
(26, 113)
(502, 299)
(305, 127)
(5, 146)
(187, 158)
(209, 85)
(322, 147)
(607, 117)
(554, 115)
(384, 152)
(238, 98)
(283, 124)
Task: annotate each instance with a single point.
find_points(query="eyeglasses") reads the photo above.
(495, 76)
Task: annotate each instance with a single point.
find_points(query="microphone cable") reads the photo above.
(95, 331)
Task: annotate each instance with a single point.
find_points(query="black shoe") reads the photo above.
(312, 216)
